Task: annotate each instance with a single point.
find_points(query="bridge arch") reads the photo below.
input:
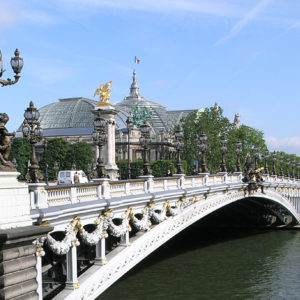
(98, 278)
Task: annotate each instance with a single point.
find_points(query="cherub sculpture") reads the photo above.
(6, 139)
(104, 92)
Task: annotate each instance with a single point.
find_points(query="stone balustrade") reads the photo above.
(47, 196)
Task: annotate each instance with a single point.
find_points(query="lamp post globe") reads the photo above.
(203, 148)
(274, 159)
(266, 157)
(16, 63)
(179, 146)
(223, 152)
(145, 141)
(33, 133)
(100, 138)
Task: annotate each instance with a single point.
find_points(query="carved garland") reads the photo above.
(99, 233)
(70, 240)
(123, 228)
(141, 224)
(158, 216)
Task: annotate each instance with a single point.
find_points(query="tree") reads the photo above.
(21, 151)
(58, 151)
(80, 154)
(214, 125)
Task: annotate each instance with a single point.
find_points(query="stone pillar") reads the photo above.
(14, 201)
(19, 277)
(72, 282)
(100, 258)
(108, 113)
(125, 240)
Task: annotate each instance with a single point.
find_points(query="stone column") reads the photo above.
(19, 277)
(72, 282)
(108, 113)
(14, 201)
(100, 258)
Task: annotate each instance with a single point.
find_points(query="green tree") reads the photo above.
(21, 151)
(250, 137)
(214, 125)
(58, 150)
(81, 154)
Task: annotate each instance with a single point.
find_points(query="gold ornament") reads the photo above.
(104, 92)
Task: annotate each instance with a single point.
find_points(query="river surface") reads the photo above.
(217, 264)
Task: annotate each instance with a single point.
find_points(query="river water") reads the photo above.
(225, 264)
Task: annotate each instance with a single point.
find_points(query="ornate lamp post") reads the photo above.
(274, 158)
(179, 146)
(281, 164)
(287, 162)
(16, 64)
(46, 163)
(33, 133)
(255, 153)
(266, 157)
(203, 148)
(223, 152)
(128, 123)
(56, 168)
(238, 151)
(293, 168)
(100, 138)
(145, 141)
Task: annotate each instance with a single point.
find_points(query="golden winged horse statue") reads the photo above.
(104, 92)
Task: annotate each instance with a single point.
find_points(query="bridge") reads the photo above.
(104, 228)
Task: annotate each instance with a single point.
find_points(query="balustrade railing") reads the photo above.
(62, 195)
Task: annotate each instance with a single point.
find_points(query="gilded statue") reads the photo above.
(104, 92)
(6, 139)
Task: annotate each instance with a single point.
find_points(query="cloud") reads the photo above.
(289, 144)
(250, 15)
(210, 7)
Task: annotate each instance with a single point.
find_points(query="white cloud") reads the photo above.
(250, 15)
(289, 144)
(210, 7)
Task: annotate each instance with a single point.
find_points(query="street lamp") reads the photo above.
(274, 158)
(281, 164)
(293, 168)
(56, 168)
(100, 138)
(45, 157)
(287, 162)
(33, 133)
(16, 64)
(255, 153)
(238, 151)
(223, 152)
(266, 157)
(203, 148)
(128, 123)
(145, 141)
(179, 146)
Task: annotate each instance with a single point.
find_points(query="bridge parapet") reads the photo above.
(43, 196)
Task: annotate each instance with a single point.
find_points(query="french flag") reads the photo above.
(136, 60)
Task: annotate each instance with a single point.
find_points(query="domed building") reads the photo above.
(72, 119)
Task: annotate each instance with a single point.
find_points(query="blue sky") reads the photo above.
(243, 54)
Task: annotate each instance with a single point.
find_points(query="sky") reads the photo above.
(242, 54)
